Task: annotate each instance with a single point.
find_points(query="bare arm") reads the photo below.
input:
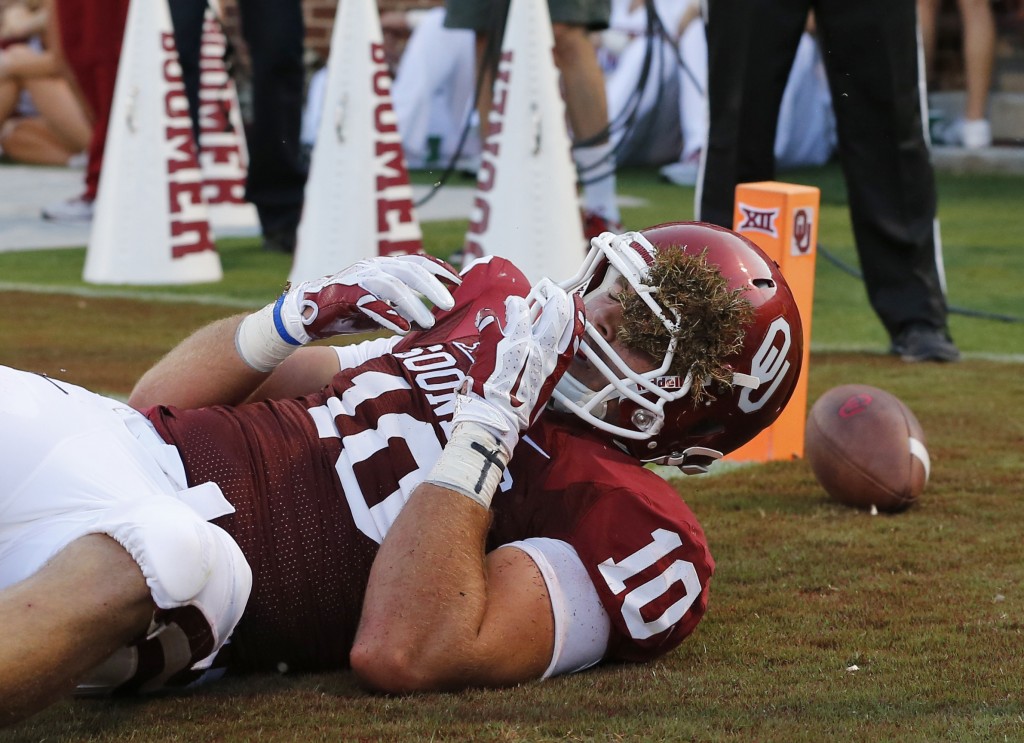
(691, 14)
(440, 615)
(87, 602)
(201, 370)
(263, 355)
(205, 369)
(23, 63)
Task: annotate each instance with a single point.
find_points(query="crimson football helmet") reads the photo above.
(656, 418)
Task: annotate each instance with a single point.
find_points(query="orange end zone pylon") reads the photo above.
(782, 220)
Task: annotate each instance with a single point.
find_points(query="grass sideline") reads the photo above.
(982, 224)
(928, 605)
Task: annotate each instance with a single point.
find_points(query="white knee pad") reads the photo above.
(187, 562)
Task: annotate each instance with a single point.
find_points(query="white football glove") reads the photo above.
(383, 292)
(515, 368)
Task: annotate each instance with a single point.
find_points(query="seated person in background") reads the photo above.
(650, 122)
(673, 102)
(432, 92)
(806, 134)
(462, 504)
(42, 122)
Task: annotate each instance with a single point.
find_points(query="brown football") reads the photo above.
(866, 448)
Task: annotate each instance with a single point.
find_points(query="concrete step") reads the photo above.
(1006, 112)
(1005, 160)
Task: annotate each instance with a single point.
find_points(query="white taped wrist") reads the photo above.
(262, 341)
(472, 463)
(471, 408)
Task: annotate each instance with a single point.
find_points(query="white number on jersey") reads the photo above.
(418, 435)
(617, 573)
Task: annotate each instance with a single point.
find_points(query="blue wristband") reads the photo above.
(279, 323)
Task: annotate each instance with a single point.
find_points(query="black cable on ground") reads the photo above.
(953, 310)
(488, 61)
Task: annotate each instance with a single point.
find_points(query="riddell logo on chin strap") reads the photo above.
(189, 227)
(670, 382)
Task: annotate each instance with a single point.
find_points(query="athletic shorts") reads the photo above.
(69, 458)
(481, 15)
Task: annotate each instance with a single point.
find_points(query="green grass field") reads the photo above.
(825, 623)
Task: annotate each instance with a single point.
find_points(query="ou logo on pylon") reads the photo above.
(803, 221)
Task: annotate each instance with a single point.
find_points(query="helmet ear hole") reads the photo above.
(764, 283)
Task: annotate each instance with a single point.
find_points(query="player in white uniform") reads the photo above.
(134, 545)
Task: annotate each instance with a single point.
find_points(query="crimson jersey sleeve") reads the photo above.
(650, 564)
(641, 545)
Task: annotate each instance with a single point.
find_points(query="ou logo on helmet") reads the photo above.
(769, 364)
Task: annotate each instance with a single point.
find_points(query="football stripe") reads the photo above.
(918, 450)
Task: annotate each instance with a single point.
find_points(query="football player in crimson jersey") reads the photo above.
(462, 504)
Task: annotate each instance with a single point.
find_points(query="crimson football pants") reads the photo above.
(90, 37)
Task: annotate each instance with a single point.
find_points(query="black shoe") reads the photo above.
(924, 343)
(279, 241)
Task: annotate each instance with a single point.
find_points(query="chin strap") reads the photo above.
(578, 393)
(694, 460)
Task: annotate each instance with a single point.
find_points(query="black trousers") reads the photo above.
(870, 52)
(274, 31)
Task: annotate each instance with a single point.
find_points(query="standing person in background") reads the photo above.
(979, 49)
(274, 32)
(870, 51)
(582, 85)
(90, 44)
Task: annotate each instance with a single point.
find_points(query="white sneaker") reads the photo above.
(971, 134)
(975, 134)
(682, 172)
(79, 160)
(72, 210)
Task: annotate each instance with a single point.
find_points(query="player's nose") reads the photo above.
(604, 319)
